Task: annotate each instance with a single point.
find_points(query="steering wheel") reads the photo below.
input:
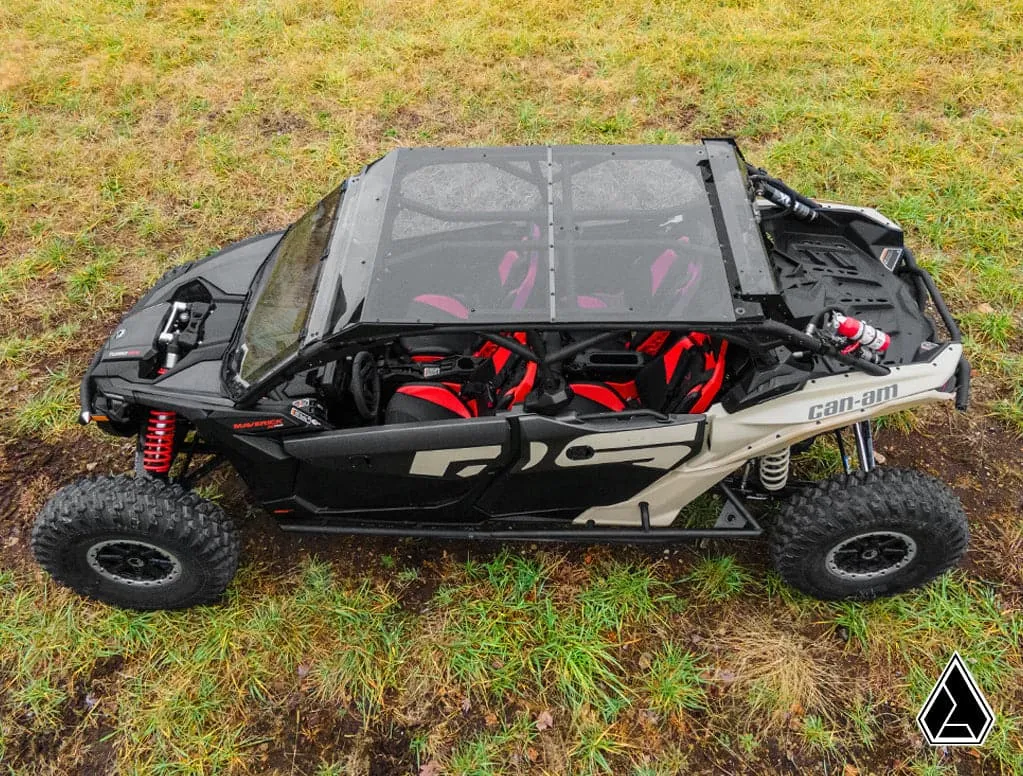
(365, 385)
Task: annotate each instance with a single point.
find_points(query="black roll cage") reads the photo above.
(760, 337)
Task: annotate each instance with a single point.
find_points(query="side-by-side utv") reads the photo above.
(565, 343)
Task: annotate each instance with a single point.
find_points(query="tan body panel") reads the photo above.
(822, 405)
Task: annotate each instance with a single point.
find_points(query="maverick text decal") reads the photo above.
(850, 403)
(261, 425)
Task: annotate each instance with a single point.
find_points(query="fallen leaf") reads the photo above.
(490, 719)
(985, 308)
(646, 660)
(850, 770)
(466, 704)
(431, 768)
(532, 754)
(544, 720)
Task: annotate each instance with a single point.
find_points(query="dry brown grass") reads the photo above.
(781, 674)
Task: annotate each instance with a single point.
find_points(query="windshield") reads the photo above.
(274, 324)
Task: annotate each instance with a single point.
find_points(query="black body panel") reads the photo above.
(126, 371)
(400, 467)
(489, 467)
(230, 270)
(839, 265)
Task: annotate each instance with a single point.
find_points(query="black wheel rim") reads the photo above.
(871, 555)
(133, 562)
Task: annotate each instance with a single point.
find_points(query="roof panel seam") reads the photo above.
(550, 230)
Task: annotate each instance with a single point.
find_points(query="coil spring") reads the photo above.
(774, 470)
(158, 445)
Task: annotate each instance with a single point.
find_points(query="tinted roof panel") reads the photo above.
(468, 225)
(538, 234)
(634, 237)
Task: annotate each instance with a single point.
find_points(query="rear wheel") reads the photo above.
(136, 542)
(869, 534)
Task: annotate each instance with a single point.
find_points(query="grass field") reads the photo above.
(138, 135)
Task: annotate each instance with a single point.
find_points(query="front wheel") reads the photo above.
(869, 534)
(136, 542)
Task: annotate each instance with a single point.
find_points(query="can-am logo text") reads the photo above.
(850, 403)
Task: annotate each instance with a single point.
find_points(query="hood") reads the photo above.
(197, 307)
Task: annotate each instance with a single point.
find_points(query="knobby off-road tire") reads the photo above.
(136, 542)
(869, 534)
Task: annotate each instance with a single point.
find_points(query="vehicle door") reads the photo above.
(569, 464)
(378, 471)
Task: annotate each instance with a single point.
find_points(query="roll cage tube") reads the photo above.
(926, 288)
(549, 358)
(922, 276)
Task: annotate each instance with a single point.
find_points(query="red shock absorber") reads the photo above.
(158, 444)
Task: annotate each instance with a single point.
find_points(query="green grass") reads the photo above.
(16, 349)
(675, 681)
(505, 629)
(597, 745)
(41, 701)
(49, 412)
(372, 630)
(818, 736)
(137, 136)
(493, 752)
(824, 459)
(863, 722)
(718, 578)
(505, 639)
